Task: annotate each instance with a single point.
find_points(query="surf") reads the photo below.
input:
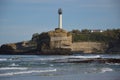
(28, 72)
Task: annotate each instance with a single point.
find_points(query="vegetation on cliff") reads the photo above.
(105, 36)
(111, 38)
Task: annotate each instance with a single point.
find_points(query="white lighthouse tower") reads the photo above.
(60, 18)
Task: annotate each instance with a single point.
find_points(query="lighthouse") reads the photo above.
(60, 18)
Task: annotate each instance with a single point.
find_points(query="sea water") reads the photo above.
(50, 67)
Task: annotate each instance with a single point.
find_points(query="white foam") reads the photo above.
(103, 70)
(65, 57)
(13, 64)
(113, 63)
(3, 59)
(14, 68)
(51, 65)
(97, 56)
(51, 59)
(116, 63)
(27, 72)
(46, 59)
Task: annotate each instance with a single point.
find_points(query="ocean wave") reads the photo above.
(67, 57)
(9, 59)
(14, 58)
(27, 72)
(51, 65)
(13, 68)
(46, 59)
(96, 56)
(113, 64)
(51, 59)
(103, 70)
(13, 64)
(3, 59)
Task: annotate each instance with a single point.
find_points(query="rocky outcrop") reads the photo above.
(55, 42)
(114, 47)
(90, 60)
(60, 39)
(16, 48)
(89, 47)
(58, 42)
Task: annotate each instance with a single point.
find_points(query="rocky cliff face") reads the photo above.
(84, 47)
(89, 47)
(114, 47)
(57, 42)
(14, 48)
(60, 39)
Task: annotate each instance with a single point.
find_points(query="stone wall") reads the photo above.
(89, 47)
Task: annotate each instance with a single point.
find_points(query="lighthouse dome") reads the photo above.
(59, 11)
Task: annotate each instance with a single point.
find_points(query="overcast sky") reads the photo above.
(19, 19)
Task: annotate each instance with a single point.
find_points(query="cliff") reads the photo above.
(57, 42)
(80, 47)
(61, 42)
(114, 47)
(18, 48)
(89, 47)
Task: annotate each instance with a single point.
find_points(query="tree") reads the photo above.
(76, 31)
(85, 31)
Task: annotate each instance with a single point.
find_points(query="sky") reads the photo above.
(20, 19)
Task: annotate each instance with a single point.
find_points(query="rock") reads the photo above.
(92, 60)
(114, 47)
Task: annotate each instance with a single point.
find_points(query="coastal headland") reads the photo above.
(62, 42)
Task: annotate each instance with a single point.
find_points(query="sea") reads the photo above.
(58, 67)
